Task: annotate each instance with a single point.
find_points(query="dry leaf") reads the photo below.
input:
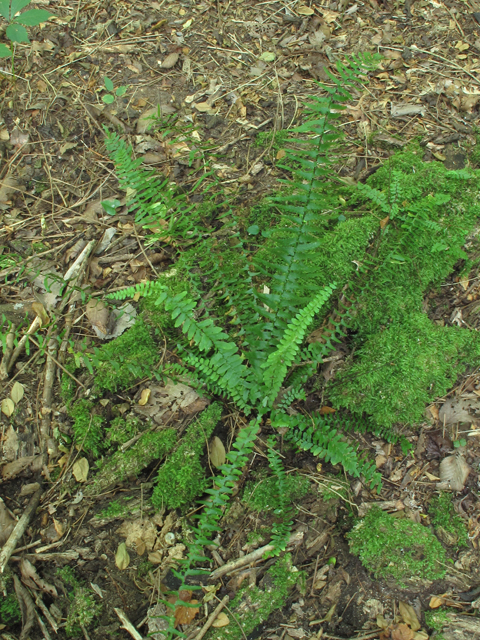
(80, 470)
(435, 602)
(170, 61)
(122, 559)
(141, 547)
(31, 578)
(454, 471)
(402, 632)
(156, 557)
(222, 620)
(6, 523)
(39, 310)
(98, 314)
(185, 615)
(145, 397)
(324, 410)
(17, 392)
(305, 11)
(8, 407)
(217, 453)
(59, 527)
(421, 635)
(203, 107)
(384, 222)
(281, 153)
(409, 616)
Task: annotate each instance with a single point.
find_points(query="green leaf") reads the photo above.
(108, 98)
(108, 83)
(16, 6)
(121, 91)
(110, 206)
(5, 9)
(267, 56)
(17, 33)
(33, 17)
(253, 230)
(4, 51)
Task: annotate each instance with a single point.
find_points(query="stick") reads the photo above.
(127, 625)
(36, 324)
(295, 539)
(212, 617)
(7, 353)
(61, 366)
(19, 529)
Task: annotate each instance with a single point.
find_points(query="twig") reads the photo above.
(27, 607)
(7, 352)
(19, 529)
(36, 324)
(295, 539)
(127, 625)
(212, 617)
(48, 390)
(61, 366)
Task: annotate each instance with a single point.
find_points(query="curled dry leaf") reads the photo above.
(217, 452)
(435, 602)
(454, 472)
(144, 397)
(8, 406)
(409, 616)
(305, 11)
(39, 310)
(122, 559)
(80, 470)
(17, 392)
(222, 620)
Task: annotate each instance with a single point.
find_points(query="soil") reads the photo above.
(206, 60)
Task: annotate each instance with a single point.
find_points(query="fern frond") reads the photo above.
(281, 529)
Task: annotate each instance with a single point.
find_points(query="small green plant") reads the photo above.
(396, 547)
(278, 139)
(88, 427)
(262, 493)
(109, 98)
(16, 31)
(115, 508)
(182, 478)
(436, 620)
(82, 607)
(448, 524)
(10, 613)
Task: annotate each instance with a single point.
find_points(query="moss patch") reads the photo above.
(396, 547)
(449, 526)
(252, 605)
(10, 613)
(88, 427)
(182, 478)
(262, 494)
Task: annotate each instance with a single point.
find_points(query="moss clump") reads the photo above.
(396, 547)
(10, 613)
(262, 495)
(87, 427)
(153, 445)
(436, 620)
(115, 508)
(121, 430)
(182, 478)
(68, 386)
(448, 524)
(252, 605)
(398, 371)
(127, 358)
(82, 607)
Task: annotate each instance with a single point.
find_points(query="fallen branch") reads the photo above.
(26, 606)
(212, 617)
(19, 530)
(295, 539)
(36, 324)
(7, 352)
(127, 625)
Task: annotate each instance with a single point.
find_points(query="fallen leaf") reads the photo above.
(39, 309)
(17, 392)
(145, 397)
(80, 470)
(217, 452)
(122, 559)
(435, 602)
(98, 314)
(325, 410)
(281, 153)
(170, 61)
(6, 523)
(305, 11)
(185, 615)
(222, 620)
(401, 632)
(156, 557)
(203, 107)
(329, 16)
(409, 616)
(8, 407)
(384, 222)
(421, 635)
(268, 56)
(454, 471)
(31, 578)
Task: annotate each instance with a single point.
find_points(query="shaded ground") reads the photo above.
(207, 61)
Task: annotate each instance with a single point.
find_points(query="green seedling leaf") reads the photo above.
(33, 17)
(5, 9)
(108, 84)
(16, 6)
(121, 91)
(17, 33)
(17, 392)
(4, 51)
(267, 56)
(253, 230)
(8, 407)
(110, 206)
(108, 98)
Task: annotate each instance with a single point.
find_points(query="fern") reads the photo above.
(281, 529)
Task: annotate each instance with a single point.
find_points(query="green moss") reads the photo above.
(252, 606)
(115, 508)
(126, 359)
(68, 386)
(447, 523)
(398, 371)
(436, 620)
(10, 613)
(262, 494)
(81, 613)
(153, 445)
(278, 139)
(182, 478)
(396, 547)
(123, 429)
(88, 427)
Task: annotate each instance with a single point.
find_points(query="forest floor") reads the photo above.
(236, 70)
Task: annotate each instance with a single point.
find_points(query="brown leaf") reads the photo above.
(122, 559)
(39, 309)
(80, 470)
(325, 410)
(402, 632)
(454, 470)
(144, 397)
(384, 222)
(222, 620)
(437, 445)
(185, 615)
(435, 602)
(170, 61)
(98, 314)
(409, 616)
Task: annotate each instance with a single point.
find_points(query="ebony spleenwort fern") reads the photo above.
(281, 528)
